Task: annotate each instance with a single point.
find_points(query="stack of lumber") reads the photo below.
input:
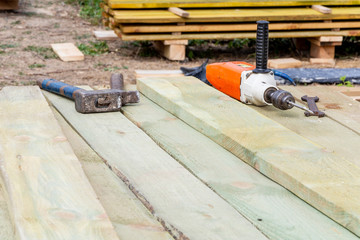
(9, 4)
(229, 19)
(176, 166)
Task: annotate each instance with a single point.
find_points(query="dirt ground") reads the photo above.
(40, 23)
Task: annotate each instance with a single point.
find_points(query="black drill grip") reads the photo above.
(262, 47)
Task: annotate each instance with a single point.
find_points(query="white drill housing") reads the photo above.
(254, 85)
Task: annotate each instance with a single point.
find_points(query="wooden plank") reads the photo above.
(9, 4)
(265, 203)
(284, 63)
(158, 73)
(330, 39)
(126, 28)
(353, 94)
(321, 9)
(175, 42)
(179, 12)
(323, 44)
(105, 35)
(332, 184)
(317, 130)
(48, 194)
(221, 3)
(231, 35)
(234, 15)
(130, 217)
(182, 203)
(171, 52)
(105, 7)
(323, 61)
(6, 228)
(336, 106)
(67, 52)
(322, 51)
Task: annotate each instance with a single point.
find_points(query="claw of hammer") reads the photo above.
(311, 101)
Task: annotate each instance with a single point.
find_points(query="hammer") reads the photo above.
(95, 101)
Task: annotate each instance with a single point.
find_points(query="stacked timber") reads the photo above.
(159, 20)
(204, 19)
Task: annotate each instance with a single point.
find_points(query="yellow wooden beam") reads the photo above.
(229, 27)
(222, 3)
(227, 35)
(234, 15)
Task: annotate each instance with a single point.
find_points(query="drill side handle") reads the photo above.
(60, 88)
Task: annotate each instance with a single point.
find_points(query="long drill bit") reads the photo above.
(301, 107)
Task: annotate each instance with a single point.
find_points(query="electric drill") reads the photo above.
(250, 84)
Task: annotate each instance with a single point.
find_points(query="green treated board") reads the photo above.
(129, 216)
(271, 208)
(221, 3)
(337, 106)
(234, 15)
(182, 203)
(48, 194)
(325, 180)
(324, 131)
(6, 228)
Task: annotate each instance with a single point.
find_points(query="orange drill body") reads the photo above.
(226, 76)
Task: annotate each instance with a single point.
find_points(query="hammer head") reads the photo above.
(108, 100)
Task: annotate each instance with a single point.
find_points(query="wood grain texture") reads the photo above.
(270, 207)
(6, 227)
(182, 203)
(178, 11)
(243, 27)
(322, 52)
(171, 52)
(48, 194)
(327, 62)
(234, 15)
(129, 216)
(9, 4)
(284, 63)
(327, 181)
(222, 3)
(67, 52)
(324, 131)
(336, 105)
(105, 35)
(231, 35)
(354, 94)
(321, 9)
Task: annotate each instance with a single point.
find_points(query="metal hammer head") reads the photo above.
(108, 100)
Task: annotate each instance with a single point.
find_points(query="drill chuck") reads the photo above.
(279, 98)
